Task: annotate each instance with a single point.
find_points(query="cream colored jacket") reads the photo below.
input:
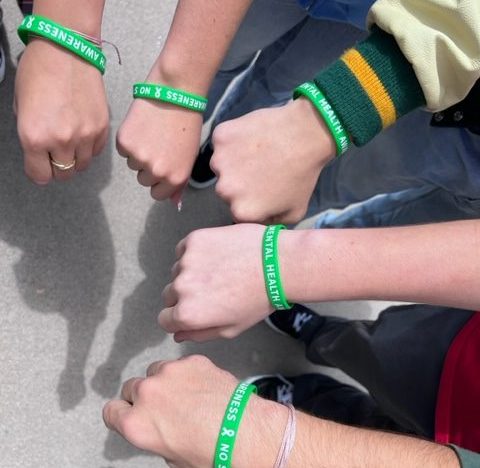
(440, 38)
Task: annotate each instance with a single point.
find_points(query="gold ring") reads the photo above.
(62, 167)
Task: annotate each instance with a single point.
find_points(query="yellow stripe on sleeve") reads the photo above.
(372, 85)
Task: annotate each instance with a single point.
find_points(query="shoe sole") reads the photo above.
(275, 328)
(201, 185)
(258, 377)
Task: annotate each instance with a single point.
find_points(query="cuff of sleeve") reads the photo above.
(466, 458)
(371, 86)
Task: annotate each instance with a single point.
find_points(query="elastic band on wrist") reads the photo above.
(271, 268)
(64, 37)
(288, 440)
(177, 97)
(339, 134)
(230, 424)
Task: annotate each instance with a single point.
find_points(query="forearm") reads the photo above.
(328, 444)
(197, 42)
(434, 263)
(85, 16)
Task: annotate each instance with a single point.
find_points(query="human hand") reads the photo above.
(61, 109)
(176, 412)
(161, 142)
(268, 162)
(216, 292)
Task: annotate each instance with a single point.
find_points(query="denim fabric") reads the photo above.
(347, 11)
(415, 174)
(284, 34)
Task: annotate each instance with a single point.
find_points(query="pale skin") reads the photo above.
(196, 45)
(176, 413)
(268, 162)
(60, 99)
(70, 121)
(426, 264)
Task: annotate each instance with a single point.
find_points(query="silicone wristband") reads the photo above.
(230, 424)
(66, 38)
(271, 268)
(174, 96)
(339, 134)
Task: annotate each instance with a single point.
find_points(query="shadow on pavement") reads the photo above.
(138, 329)
(67, 260)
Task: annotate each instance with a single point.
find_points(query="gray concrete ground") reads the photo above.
(82, 266)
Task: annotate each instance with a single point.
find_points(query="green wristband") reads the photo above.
(271, 268)
(339, 134)
(173, 96)
(230, 424)
(64, 37)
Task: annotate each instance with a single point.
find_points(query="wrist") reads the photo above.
(260, 434)
(170, 71)
(294, 254)
(56, 59)
(73, 16)
(303, 110)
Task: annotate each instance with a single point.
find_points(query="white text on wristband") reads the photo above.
(64, 37)
(271, 268)
(174, 96)
(230, 424)
(310, 91)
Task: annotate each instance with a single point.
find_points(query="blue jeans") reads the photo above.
(348, 11)
(401, 178)
(276, 50)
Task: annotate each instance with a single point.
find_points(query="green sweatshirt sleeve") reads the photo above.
(371, 86)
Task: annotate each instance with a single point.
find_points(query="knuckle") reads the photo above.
(215, 164)
(241, 212)
(228, 333)
(177, 179)
(128, 425)
(146, 389)
(220, 134)
(157, 170)
(103, 122)
(63, 136)
(223, 189)
(35, 142)
(123, 142)
(183, 317)
(88, 132)
(197, 360)
(298, 215)
(166, 369)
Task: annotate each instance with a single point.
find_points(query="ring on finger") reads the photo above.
(61, 166)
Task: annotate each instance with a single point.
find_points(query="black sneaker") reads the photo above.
(299, 322)
(202, 176)
(274, 387)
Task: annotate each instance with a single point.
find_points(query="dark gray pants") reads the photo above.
(398, 358)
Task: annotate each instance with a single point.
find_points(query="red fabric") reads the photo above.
(457, 419)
